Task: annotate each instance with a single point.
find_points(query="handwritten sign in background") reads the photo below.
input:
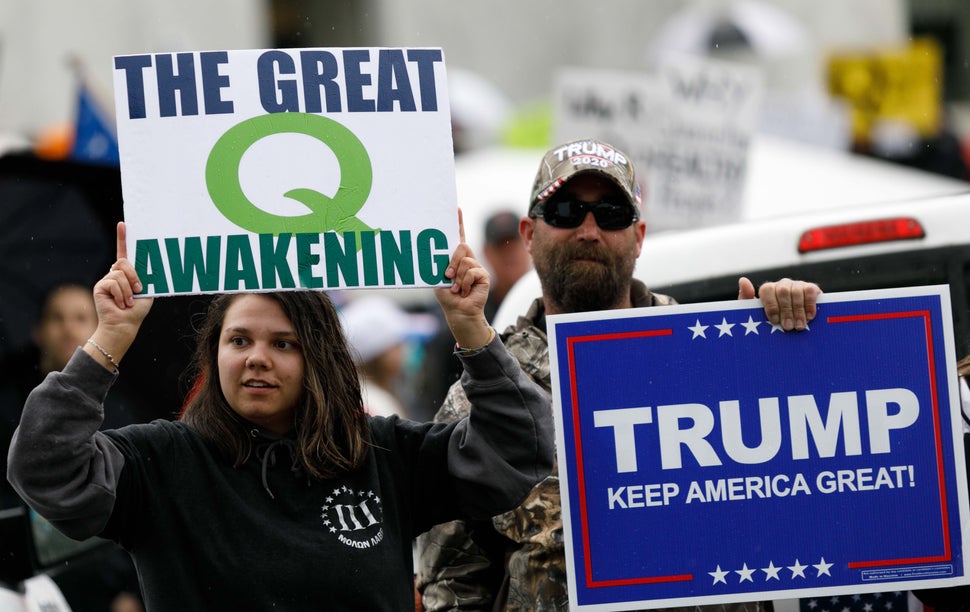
(687, 126)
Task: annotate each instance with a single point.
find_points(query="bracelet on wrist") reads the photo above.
(106, 354)
(471, 351)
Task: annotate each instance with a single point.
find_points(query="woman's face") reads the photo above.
(261, 362)
(68, 321)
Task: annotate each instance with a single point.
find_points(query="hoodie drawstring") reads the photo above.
(266, 453)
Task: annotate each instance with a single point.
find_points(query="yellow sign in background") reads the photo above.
(903, 85)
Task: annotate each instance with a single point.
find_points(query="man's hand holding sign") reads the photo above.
(825, 462)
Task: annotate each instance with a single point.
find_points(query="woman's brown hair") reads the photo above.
(331, 429)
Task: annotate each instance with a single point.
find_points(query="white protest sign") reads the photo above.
(687, 128)
(263, 170)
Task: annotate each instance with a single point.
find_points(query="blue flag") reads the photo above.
(95, 139)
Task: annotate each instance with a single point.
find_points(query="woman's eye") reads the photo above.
(238, 341)
(285, 344)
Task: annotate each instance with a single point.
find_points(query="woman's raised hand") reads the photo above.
(120, 315)
(463, 303)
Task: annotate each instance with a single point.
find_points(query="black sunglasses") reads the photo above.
(568, 214)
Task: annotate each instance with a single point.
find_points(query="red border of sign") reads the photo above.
(580, 473)
(934, 400)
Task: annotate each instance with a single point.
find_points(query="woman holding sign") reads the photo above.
(274, 489)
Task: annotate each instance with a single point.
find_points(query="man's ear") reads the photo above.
(640, 227)
(527, 228)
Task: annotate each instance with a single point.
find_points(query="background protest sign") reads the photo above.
(283, 169)
(706, 456)
(687, 127)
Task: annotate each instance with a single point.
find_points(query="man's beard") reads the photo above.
(601, 282)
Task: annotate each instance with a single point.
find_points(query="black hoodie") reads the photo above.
(207, 536)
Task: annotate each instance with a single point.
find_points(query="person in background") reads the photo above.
(505, 255)
(275, 490)
(507, 260)
(584, 232)
(66, 318)
(376, 329)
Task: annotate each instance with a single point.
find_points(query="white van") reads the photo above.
(896, 244)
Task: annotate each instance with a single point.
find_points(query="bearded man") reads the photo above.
(584, 232)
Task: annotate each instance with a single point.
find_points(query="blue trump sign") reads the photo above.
(707, 456)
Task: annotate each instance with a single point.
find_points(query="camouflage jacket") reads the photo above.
(517, 561)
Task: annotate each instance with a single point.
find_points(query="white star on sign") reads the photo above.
(745, 573)
(724, 328)
(771, 571)
(798, 569)
(719, 575)
(751, 327)
(777, 327)
(822, 567)
(698, 329)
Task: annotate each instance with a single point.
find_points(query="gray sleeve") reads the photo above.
(506, 445)
(58, 462)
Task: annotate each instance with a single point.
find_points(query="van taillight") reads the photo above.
(864, 232)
